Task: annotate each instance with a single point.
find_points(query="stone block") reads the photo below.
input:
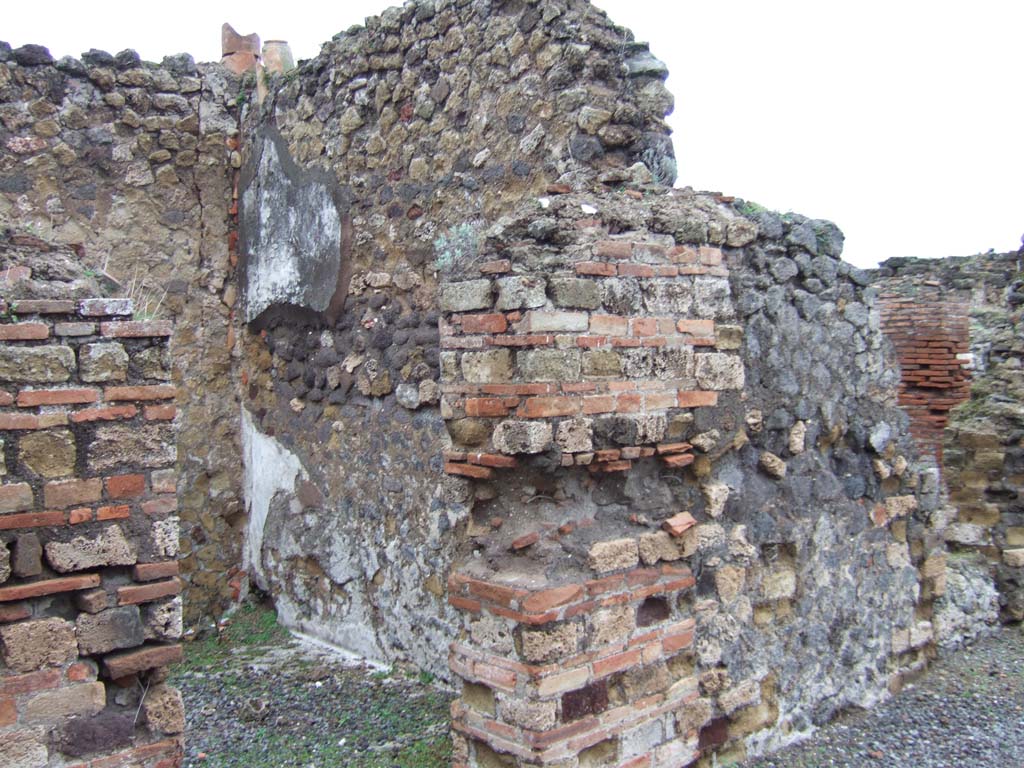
(575, 435)
(36, 365)
(469, 431)
(109, 630)
(521, 292)
(108, 548)
(601, 362)
(466, 296)
(68, 493)
(779, 583)
(551, 644)
(16, 497)
(549, 364)
(1014, 557)
(154, 363)
(557, 322)
(164, 710)
(513, 436)
(109, 730)
(162, 620)
(5, 563)
(654, 547)
(715, 496)
(117, 446)
(48, 454)
(534, 715)
(605, 556)
(611, 625)
(719, 371)
(729, 581)
(900, 506)
(27, 559)
(742, 695)
(106, 361)
(575, 293)
(165, 536)
(490, 367)
(772, 464)
(124, 663)
(71, 701)
(24, 748)
(30, 645)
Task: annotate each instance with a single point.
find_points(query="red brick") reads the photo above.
(636, 270)
(665, 448)
(551, 598)
(612, 466)
(622, 386)
(24, 331)
(492, 460)
(679, 524)
(488, 406)
(645, 326)
(162, 505)
(598, 268)
(696, 399)
(527, 540)
(6, 398)
(81, 672)
(14, 612)
(609, 325)
(160, 412)
(710, 256)
(696, 327)
(666, 271)
(683, 254)
(520, 389)
(589, 342)
(29, 398)
(660, 401)
(495, 593)
(133, 329)
(496, 267)
(629, 403)
(154, 571)
(126, 663)
(43, 680)
(119, 512)
(619, 342)
(489, 323)
(145, 392)
(677, 642)
(619, 661)
(125, 486)
(44, 307)
(544, 407)
(464, 604)
(528, 340)
(105, 414)
(18, 421)
(8, 712)
(144, 593)
(496, 676)
(31, 520)
(678, 460)
(74, 329)
(468, 470)
(598, 404)
(79, 516)
(60, 494)
(49, 587)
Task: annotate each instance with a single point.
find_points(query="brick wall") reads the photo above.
(931, 333)
(89, 607)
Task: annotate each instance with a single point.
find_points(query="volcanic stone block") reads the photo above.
(70, 701)
(658, 546)
(490, 367)
(550, 644)
(164, 710)
(50, 453)
(549, 364)
(16, 497)
(150, 445)
(521, 292)
(575, 435)
(575, 293)
(106, 361)
(109, 630)
(163, 619)
(36, 365)
(719, 371)
(614, 555)
(109, 548)
(601, 362)
(466, 296)
(513, 437)
(31, 645)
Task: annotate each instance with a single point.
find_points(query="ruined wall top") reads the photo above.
(442, 113)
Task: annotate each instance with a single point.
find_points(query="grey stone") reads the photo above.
(521, 292)
(466, 296)
(28, 555)
(493, 366)
(512, 437)
(36, 365)
(549, 364)
(719, 371)
(575, 293)
(109, 630)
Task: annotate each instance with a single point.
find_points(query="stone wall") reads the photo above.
(89, 607)
(131, 163)
(982, 456)
(676, 418)
(392, 152)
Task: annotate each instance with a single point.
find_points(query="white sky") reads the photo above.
(902, 120)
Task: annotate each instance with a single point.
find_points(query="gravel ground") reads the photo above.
(257, 698)
(967, 711)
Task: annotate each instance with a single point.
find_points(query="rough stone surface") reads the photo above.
(108, 548)
(31, 645)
